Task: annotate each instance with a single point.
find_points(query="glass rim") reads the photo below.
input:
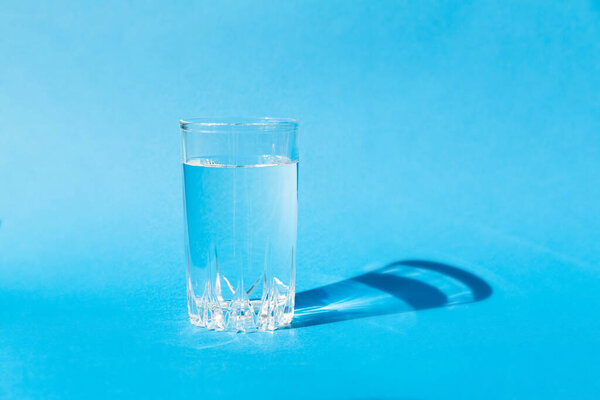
(202, 123)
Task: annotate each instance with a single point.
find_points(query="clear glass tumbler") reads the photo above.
(240, 198)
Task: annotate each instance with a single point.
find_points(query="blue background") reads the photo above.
(465, 133)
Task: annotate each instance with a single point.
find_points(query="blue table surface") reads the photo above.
(449, 197)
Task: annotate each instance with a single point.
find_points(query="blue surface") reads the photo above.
(463, 135)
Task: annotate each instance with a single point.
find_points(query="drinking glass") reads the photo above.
(240, 179)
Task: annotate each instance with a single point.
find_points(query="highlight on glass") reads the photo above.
(240, 178)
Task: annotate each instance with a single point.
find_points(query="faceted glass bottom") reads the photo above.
(273, 311)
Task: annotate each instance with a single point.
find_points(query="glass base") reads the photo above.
(272, 312)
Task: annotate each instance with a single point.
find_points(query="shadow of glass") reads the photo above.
(401, 286)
